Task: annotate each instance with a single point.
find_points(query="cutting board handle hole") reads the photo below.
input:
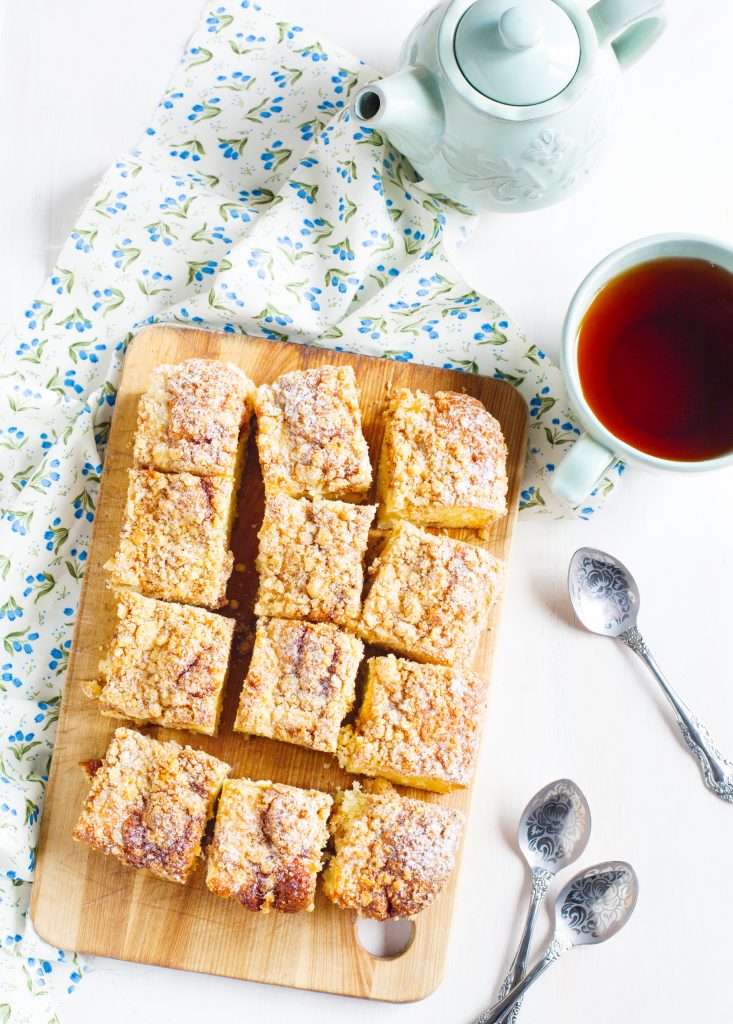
(385, 940)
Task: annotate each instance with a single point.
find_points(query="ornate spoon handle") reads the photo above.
(496, 1013)
(717, 771)
(541, 879)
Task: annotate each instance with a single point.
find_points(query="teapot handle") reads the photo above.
(629, 26)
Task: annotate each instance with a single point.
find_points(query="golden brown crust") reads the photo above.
(166, 664)
(311, 559)
(194, 418)
(149, 803)
(268, 845)
(430, 597)
(175, 537)
(418, 725)
(443, 461)
(300, 684)
(392, 855)
(309, 435)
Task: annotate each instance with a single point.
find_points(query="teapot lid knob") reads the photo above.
(520, 27)
(518, 54)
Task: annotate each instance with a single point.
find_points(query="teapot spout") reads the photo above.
(406, 106)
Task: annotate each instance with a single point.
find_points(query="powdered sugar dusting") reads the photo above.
(393, 854)
(309, 434)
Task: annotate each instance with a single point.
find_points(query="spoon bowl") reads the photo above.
(603, 593)
(596, 903)
(555, 827)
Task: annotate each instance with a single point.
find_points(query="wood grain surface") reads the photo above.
(92, 904)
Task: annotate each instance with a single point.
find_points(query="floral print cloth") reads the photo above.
(252, 205)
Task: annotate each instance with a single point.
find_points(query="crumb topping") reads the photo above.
(166, 664)
(175, 535)
(443, 461)
(300, 684)
(430, 596)
(268, 845)
(309, 434)
(190, 418)
(393, 855)
(311, 558)
(418, 725)
(149, 803)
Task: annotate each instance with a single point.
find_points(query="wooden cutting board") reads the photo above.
(90, 903)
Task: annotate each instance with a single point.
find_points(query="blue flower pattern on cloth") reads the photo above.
(253, 204)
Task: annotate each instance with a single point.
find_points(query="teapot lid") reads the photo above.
(518, 55)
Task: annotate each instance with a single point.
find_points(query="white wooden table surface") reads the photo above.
(78, 80)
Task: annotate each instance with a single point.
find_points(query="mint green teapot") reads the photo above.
(506, 106)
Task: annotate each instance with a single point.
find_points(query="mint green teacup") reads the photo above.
(592, 455)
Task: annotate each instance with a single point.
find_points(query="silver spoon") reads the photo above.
(553, 832)
(605, 597)
(592, 907)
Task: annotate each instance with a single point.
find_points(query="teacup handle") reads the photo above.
(629, 26)
(581, 469)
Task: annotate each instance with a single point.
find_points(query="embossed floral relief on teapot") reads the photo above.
(506, 107)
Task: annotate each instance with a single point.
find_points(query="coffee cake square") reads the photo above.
(393, 855)
(194, 418)
(166, 665)
(311, 559)
(300, 684)
(175, 537)
(443, 461)
(268, 845)
(309, 435)
(430, 596)
(149, 803)
(418, 725)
